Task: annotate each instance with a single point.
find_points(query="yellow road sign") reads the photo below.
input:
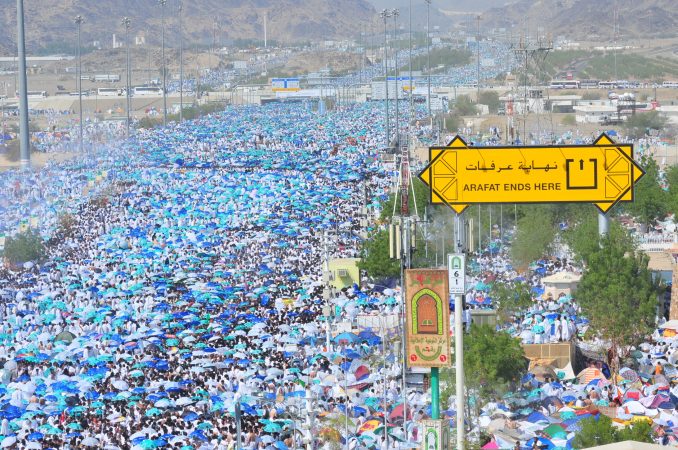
(603, 173)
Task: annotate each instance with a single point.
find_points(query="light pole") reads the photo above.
(78, 22)
(385, 14)
(23, 88)
(428, 53)
(126, 23)
(164, 69)
(478, 62)
(181, 63)
(395, 13)
(411, 81)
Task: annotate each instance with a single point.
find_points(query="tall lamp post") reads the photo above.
(126, 23)
(23, 88)
(395, 13)
(385, 14)
(428, 53)
(78, 23)
(164, 69)
(181, 63)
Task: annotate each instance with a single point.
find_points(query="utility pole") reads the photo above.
(385, 14)
(395, 14)
(411, 81)
(459, 340)
(126, 23)
(164, 68)
(478, 61)
(78, 22)
(23, 89)
(428, 54)
(525, 51)
(181, 63)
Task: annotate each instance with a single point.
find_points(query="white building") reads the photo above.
(594, 112)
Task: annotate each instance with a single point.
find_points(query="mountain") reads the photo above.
(457, 6)
(588, 19)
(49, 23)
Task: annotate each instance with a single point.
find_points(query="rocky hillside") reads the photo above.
(49, 23)
(588, 19)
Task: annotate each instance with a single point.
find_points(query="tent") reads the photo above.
(629, 445)
(64, 336)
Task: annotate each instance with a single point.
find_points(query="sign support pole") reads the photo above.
(459, 341)
(435, 393)
(603, 224)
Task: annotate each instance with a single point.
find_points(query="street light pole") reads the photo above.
(478, 63)
(411, 81)
(23, 88)
(181, 63)
(164, 69)
(459, 339)
(395, 14)
(428, 53)
(78, 22)
(385, 14)
(126, 23)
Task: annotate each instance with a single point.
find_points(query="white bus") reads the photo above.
(670, 84)
(36, 94)
(147, 90)
(112, 78)
(607, 85)
(564, 84)
(108, 92)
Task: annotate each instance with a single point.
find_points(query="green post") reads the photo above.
(435, 394)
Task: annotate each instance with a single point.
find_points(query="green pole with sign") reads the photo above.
(435, 393)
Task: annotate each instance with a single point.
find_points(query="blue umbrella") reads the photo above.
(36, 436)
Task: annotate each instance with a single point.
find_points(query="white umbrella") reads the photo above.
(90, 442)
(33, 445)
(183, 401)
(120, 385)
(274, 372)
(162, 403)
(8, 441)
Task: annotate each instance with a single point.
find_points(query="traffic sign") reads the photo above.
(456, 267)
(602, 173)
(285, 84)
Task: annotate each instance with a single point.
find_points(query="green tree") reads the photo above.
(584, 239)
(375, 257)
(640, 431)
(492, 360)
(671, 178)
(639, 125)
(26, 246)
(618, 294)
(511, 298)
(650, 200)
(464, 106)
(594, 432)
(452, 122)
(491, 99)
(535, 235)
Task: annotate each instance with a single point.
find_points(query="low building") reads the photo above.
(344, 272)
(594, 113)
(561, 283)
